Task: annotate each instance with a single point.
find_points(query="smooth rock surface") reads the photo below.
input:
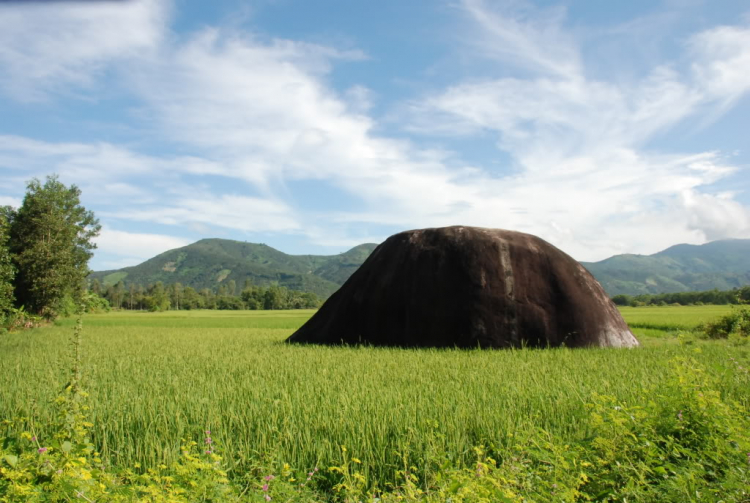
(468, 287)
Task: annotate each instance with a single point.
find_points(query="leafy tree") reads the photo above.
(157, 298)
(209, 299)
(622, 300)
(96, 287)
(131, 296)
(274, 298)
(115, 294)
(7, 271)
(253, 297)
(191, 299)
(51, 243)
(175, 294)
(229, 302)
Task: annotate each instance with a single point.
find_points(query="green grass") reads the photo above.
(155, 378)
(671, 317)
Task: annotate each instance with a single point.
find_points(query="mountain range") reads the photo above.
(211, 262)
(723, 265)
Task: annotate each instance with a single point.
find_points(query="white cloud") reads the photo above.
(261, 114)
(722, 65)
(46, 48)
(248, 214)
(105, 172)
(10, 201)
(583, 178)
(133, 248)
(524, 36)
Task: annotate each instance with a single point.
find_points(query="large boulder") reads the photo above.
(468, 287)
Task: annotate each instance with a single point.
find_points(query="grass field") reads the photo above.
(672, 318)
(156, 378)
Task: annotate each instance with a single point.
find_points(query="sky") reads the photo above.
(601, 127)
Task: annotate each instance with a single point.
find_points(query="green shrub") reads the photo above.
(735, 323)
(18, 319)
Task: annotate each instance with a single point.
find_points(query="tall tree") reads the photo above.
(131, 297)
(176, 295)
(7, 271)
(96, 287)
(51, 243)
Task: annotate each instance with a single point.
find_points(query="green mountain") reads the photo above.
(723, 265)
(211, 262)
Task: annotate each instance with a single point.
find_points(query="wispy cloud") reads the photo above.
(238, 213)
(722, 61)
(134, 247)
(517, 33)
(251, 116)
(46, 48)
(583, 172)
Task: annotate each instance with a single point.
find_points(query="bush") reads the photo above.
(19, 319)
(736, 323)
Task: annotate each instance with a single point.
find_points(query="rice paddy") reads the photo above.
(157, 378)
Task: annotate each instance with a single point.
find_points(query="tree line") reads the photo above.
(719, 297)
(45, 246)
(160, 297)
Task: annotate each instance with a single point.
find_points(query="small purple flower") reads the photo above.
(42, 450)
(265, 488)
(208, 432)
(268, 498)
(208, 440)
(33, 439)
(269, 477)
(209, 451)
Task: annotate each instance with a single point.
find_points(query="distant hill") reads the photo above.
(211, 262)
(723, 265)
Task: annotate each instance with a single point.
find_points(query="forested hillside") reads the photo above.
(721, 265)
(210, 263)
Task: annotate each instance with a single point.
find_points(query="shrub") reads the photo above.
(736, 323)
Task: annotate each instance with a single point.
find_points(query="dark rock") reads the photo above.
(468, 287)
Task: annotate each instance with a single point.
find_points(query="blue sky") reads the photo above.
(602, 127)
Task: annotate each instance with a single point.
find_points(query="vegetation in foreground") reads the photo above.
(667, 422)
(45, 246)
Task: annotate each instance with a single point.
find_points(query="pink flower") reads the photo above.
(265, 488)
(268, 498)
(269, 477)
(42, 450)
(33, 439)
